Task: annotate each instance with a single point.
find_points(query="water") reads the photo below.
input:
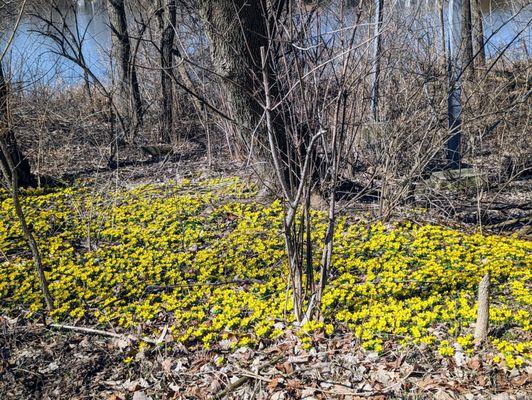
(32, 57)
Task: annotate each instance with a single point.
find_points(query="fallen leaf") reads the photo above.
(294, 384)
(272, 385)
(522, 380)
(285, 367)
(167, 366)
(474, 363)
(443, 395)
(501, 396)
(278, 396)
(140, 395)
(341, 390)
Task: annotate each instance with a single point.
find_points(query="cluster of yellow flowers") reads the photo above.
(207, 260)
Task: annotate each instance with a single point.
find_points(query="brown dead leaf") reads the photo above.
(294, 384)
(502, 382)
(474, 363)
(522, 380)
(398, 362)
(501, 396)
(193, 391)
(443, 395)
(285, 367)
(273, 384)
(278, 396)
(167, 366)
(482, 380)
(427, 383)
(341, 390)
(215, 386)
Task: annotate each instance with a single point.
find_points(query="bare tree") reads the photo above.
(11, 151)
(467, 37)
(68, 41)
(454, 101)
(129, 85)
(478, 32)
(441, 16)
(321, 116)
(167, 15)
(377, 49)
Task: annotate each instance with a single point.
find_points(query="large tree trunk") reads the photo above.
(467, 37)
(237, 29)
(7, 136)
(454, 100)
(129, 86)
(168, 20)
(478, 33)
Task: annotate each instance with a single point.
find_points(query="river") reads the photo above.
(32, 57)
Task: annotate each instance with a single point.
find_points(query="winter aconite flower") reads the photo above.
(205, 259)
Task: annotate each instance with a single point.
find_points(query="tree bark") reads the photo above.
(129, 86)
(454, 100)
(441, 16)
(7, 136)
(478, 33)
(168, 20)
(467, 37)
(237, 29)
(376, 67)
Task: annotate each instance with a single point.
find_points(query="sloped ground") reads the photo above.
(199, 265)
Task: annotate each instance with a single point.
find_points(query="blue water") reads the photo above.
(32, 59)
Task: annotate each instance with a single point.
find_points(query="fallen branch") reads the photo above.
(510, 222)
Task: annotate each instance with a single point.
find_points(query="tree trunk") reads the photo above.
(376, 67)
(467, 37)
(168, 20)
(478, 33)
(454, 100)
(129, 86)
(237, 29)
(441, 15)
(7, 136)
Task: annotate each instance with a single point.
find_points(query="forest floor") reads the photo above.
(44, 363)
(219, 324)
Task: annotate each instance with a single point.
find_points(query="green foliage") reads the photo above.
(206, 259)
